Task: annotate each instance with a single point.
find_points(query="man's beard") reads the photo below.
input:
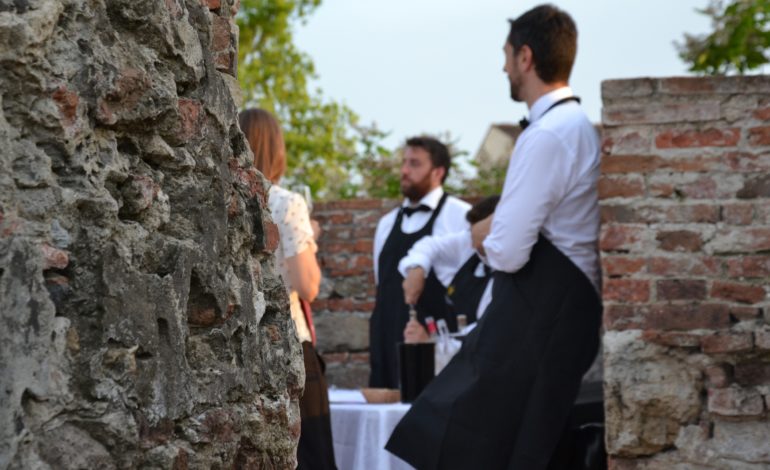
(416, 190)
(515, 85)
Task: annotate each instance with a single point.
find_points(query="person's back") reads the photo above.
(572, 225)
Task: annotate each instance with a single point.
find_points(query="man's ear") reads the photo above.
(440, 172)
(524, 57)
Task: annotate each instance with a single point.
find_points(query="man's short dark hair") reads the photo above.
(439, 153)
(552, 36)
(482, 209)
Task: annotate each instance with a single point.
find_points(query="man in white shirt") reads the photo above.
(426, 210)
(505, 399)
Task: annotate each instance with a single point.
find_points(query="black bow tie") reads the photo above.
(411, 210)
(524, 123)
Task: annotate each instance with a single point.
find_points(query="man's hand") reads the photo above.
(415, 333)
(479, 232)
(413, 284)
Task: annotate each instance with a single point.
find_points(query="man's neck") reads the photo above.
(414, 202)
(538, 89)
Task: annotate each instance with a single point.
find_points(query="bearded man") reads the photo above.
(426, 210)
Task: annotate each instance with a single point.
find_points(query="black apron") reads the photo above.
(464, 292)
(387, 323)
(503, 401)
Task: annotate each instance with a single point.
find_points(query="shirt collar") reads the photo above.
(431, 199)
(546, 101)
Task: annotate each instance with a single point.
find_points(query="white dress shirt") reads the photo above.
(446, 254)
(450, 219)
(550, 187)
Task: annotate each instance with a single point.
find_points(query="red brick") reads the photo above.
(54, 257)
(692, 164)
(667, 317)
(180, 461)
(627, 290)
(748, 162)
(738, 292)
(622, 265)
(737, 213)
(745, 313)
(705, 187)
(67, 101)
(629, 163)
(211, 4)
(755, 187)
(735, 401)
(623, 142)
(221, 34)
(620, 186)
(698, 138)
(620, 237)
(662, 189)
(752, 374)
(688, 85)
(657, 112)
(727, 342)
(689, 266)
(382, 205)
(681, 289)
(272, 236)
(343, 218)
(664, 212)
(759, 136)
(718, 376)
(672, 338)
(190, 122)
(360, 358)
(688, 317)
(620, 213)
(763, 114)
(749, 266)
(679, 240)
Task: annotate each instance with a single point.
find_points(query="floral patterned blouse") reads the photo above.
(290, 214)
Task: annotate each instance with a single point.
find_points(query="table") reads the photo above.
(360, 432)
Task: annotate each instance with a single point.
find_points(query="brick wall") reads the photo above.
(347, 294)
(685, 240)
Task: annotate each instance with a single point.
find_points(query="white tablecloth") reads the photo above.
(360, 433)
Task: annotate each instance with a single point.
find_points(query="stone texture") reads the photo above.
(144, 324)
(686, 368)
(649, 395)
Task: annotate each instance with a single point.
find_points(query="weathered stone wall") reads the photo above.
(685, 239)
(143, 324)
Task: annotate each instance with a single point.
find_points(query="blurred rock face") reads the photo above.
(143, 322)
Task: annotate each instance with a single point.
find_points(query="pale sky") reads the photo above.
(414, 66)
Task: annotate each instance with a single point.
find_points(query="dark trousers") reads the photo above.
(315, 450)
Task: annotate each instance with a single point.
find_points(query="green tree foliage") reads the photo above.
(321, 135)
(739, 43)
(326, 146)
